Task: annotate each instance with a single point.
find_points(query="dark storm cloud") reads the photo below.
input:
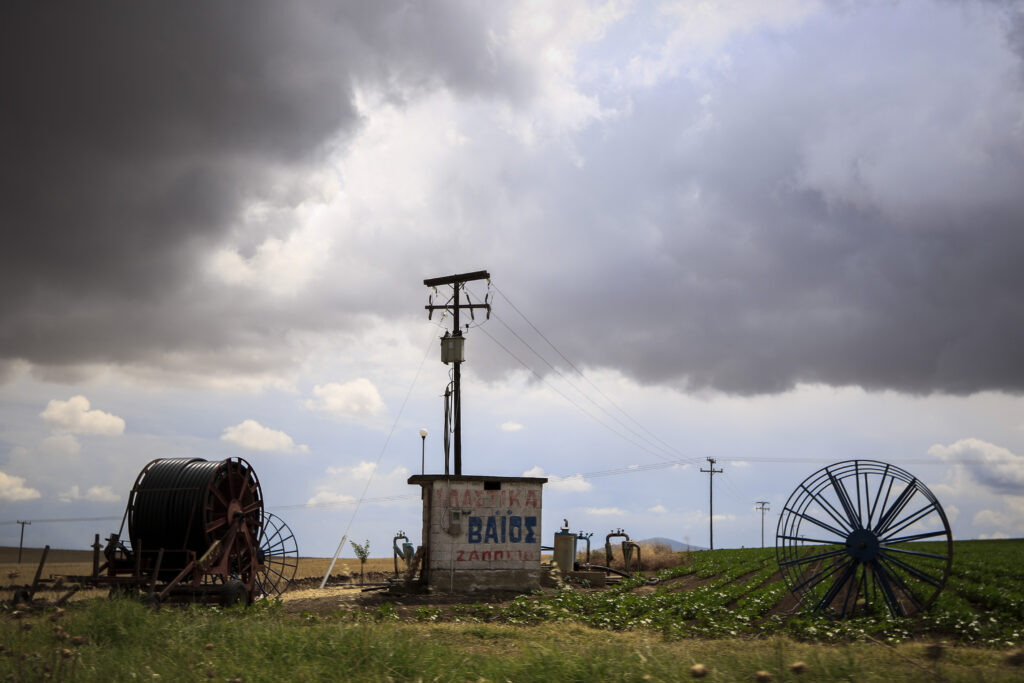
(843, 205)
(837, 200)
(132, 133)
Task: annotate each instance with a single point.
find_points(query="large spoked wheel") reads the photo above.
(278, 556)
(864, 537)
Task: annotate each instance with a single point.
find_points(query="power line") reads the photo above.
(647, 467)
(383, 449)
(574, 403)
(582, 393)
(580, 373)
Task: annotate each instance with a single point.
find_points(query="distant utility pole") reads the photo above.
(711, 499)
(21, 543)
(452, 347)
(762, 505)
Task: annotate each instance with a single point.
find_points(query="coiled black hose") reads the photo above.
(171, 501)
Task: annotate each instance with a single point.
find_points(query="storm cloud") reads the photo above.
(135, 135)
(737, 200)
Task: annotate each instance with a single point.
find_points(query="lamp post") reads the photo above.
(423, 452)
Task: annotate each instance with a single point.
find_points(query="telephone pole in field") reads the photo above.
(453, 351)
(762, 505)
(711, 471)
(21, 542)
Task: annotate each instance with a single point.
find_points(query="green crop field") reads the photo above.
(727, 610)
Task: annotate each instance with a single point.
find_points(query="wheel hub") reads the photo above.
(862, 545)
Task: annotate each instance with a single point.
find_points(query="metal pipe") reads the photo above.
(398, 553)
(585, 537)
(627, 559)
(618, 533)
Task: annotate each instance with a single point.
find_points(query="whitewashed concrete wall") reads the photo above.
(479, 539)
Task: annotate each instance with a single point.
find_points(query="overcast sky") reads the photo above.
(778, 234)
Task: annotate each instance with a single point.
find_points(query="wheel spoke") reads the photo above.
(878, 494)
(856, 481)
(918, 553)
(881, 578)
(814, 579)
(850, 588)
(907, 521)
(910, 569)
(812, 540)
(823, 525)
(844, 499)
(837, 585)
(829, 509)
(898, 580)
(219, 497)
(897, 506)
(915, 537)
(812, 558)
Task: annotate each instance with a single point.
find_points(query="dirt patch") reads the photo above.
(402, 600)
(684, 583)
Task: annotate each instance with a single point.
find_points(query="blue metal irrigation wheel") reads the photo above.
(862, 537)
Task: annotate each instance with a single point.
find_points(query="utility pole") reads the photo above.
(452, 347)
(711, 499)
(21, 543)
(762, 505)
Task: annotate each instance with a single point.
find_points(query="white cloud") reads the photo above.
(253, 436)
(364, 470)
(605, 511)
(102, 494)
(574, 483)
(13, 489)
(96, 494)
(992, 465)
(281, 267)
(61, 444)
(332, 490)
(358, 398)
(1010, 519)
(658, 509)
(511, 427)
(74, 416)
(325, 497)
(986, 474)
(997, 535)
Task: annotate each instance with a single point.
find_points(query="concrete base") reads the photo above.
(518, 580)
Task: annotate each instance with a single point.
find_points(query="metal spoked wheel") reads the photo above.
(863, 537)
(278, 554)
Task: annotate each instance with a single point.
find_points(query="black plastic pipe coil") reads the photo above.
(169, 503)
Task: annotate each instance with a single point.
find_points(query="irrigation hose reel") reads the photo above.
(862, 538)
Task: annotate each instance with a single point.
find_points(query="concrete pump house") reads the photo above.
(481, 533)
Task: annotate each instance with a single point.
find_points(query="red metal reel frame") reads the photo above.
(233, 515)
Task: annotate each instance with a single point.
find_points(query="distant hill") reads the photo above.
(671, 543)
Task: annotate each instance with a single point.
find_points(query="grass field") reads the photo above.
(726, 610)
